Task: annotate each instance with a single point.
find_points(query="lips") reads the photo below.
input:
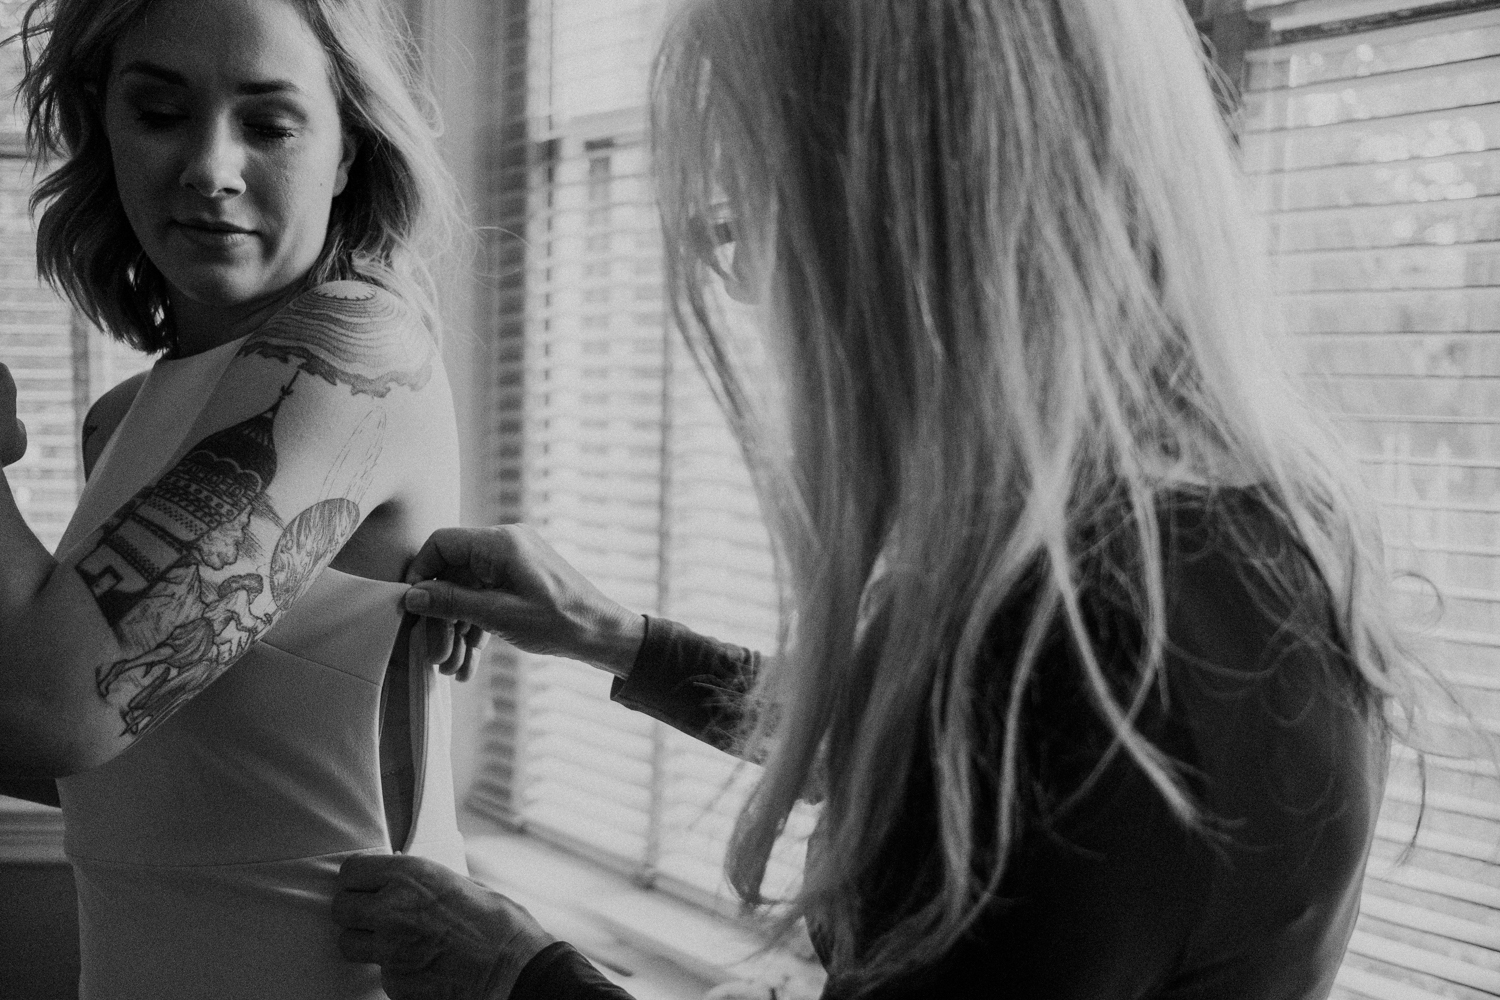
(212, 225)
(212, 234)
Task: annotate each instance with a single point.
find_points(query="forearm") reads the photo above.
(51, 638)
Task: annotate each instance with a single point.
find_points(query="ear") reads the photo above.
(346, 161)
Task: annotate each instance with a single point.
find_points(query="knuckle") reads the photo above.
(358, 864)
(419, 867)
(442, 601)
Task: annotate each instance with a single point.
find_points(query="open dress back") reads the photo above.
(205, 855)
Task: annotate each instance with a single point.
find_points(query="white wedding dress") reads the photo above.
(205, 854)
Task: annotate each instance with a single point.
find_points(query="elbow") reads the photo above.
(53, 723)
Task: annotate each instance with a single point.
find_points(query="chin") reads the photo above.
(224, 288)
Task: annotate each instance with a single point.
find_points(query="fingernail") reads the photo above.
(417, 600)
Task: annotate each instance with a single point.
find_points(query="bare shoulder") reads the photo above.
(104, 417)
(353, 334)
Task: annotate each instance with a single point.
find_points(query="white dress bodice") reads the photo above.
(205, 854)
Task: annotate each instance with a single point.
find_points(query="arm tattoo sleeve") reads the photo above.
(350, 334)
(152, 571)
(201, 564)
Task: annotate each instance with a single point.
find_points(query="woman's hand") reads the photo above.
(507, 581)
(12, 430)
(434, 933)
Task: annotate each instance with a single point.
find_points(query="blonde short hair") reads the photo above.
(397, 212)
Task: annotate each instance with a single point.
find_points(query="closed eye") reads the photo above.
(270, 130)
(159, 118)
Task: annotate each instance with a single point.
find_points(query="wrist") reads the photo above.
(513, 959)
(618, 643)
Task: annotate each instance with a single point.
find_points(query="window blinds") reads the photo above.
(36, 339)
(37, 344)
(593, 478)
(720, 580)
(581, 287)
(608, 442)
(1376, 152)
(59, 364)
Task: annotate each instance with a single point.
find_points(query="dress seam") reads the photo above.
(317, 663)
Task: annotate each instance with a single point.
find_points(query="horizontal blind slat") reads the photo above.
(1410, 139)
(1407, 268)
(1430, 88)
(1377, 158)
(1374, 53)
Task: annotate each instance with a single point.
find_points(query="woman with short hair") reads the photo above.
(212, 664)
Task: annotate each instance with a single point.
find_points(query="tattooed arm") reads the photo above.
(289, 455)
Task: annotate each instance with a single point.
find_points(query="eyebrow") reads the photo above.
(250, 88)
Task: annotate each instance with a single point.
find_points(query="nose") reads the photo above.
(215, 162)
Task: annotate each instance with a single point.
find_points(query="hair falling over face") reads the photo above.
(1017, 299)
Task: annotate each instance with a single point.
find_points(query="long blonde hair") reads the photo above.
(1018, 299)
(398, 213)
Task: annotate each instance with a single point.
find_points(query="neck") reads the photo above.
(202, 327)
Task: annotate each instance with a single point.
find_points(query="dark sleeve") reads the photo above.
(559, 972)
(691, 682)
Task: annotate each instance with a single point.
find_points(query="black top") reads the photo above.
(558, 972)
(1114, 899)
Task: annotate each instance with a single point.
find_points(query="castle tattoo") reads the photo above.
(351, 334)
(163, 569)
(178, 572)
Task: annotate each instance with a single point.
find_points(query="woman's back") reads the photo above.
(1113, 897)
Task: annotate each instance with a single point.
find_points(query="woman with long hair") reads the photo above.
(1088, 655)
(212, 665)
